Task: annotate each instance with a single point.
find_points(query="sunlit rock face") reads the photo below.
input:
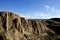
(14, 27)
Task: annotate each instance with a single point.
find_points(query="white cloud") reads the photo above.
(38, 13)
(46, 6)
(27, 15)
(52, 12)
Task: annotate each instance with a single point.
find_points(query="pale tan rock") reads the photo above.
(14, 27)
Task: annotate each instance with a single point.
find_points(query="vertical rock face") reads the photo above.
(14, 27)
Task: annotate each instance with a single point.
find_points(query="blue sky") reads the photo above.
(32, 9)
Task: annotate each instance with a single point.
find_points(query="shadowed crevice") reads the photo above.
(1, 38)
(15, 22)
(4, 22)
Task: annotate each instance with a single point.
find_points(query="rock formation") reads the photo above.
(14, 27)
(54, 25)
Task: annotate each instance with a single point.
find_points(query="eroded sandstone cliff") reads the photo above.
(14, 27)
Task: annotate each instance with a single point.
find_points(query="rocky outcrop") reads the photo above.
(14, 27)
(54, 25)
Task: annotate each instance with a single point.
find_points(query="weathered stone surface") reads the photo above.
(54, 27)
(14, 27)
